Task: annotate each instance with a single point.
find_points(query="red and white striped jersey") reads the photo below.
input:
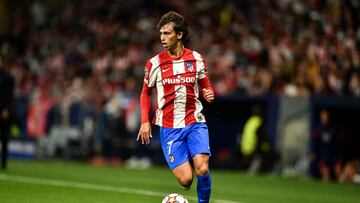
(177, 87)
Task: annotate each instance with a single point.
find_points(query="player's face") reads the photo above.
(169, 38)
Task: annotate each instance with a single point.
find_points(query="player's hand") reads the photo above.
(144, 133)
(208, 95)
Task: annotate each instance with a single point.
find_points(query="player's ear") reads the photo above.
(179, 35)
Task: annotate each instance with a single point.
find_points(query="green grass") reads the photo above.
(43, 182)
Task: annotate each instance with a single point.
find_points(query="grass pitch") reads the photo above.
(43, 182)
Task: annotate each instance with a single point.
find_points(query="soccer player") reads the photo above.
(178, 74)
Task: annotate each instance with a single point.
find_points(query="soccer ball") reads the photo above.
(174, 198)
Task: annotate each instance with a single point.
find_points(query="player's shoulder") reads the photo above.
(196, 54)
(190, 51)
(155, 57)
(154, 60)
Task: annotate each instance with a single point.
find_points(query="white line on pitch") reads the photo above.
(60, 183)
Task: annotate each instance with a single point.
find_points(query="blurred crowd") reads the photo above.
(80, 64)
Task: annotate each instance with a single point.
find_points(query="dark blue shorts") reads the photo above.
(179, 145)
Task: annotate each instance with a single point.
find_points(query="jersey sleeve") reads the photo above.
(202, 68)
(145, 96)
(147, 70)
(204, 81)
(148, 85)
(145, 103)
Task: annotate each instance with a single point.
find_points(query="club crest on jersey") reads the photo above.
(189, 66)
(171, 159)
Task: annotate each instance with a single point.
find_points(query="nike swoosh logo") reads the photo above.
(165, 70)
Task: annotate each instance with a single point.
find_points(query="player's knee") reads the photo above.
(184, 175)
(202, 169)
(186, 181)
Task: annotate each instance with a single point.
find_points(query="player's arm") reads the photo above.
(145, 104)
(205, 84)
(145, 129)
(207, 89)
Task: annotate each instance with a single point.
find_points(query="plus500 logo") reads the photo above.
(178, 80)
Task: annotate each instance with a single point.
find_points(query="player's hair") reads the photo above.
(180, 24)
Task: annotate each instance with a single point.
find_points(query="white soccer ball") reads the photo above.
(174, 198)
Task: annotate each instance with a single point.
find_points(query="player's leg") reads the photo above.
(198, 143)
(201, 165)
(177, 155)
(184, 175)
